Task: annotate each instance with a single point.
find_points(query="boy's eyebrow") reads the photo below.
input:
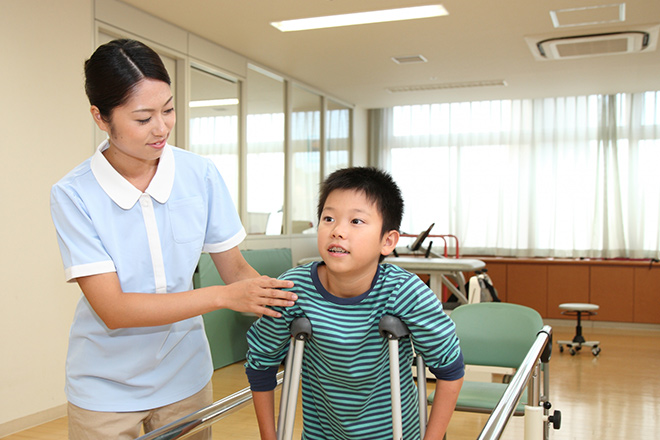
(356, 210)
(151, 109)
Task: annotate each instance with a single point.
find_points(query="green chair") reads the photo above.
(226, 329)
(493, 334)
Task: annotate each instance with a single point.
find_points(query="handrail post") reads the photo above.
(505, 408)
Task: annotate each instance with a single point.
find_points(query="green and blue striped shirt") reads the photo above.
(345, 372)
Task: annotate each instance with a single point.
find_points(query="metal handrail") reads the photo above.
(505, 408)
(205, 417)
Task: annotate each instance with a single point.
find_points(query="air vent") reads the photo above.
(592, 45)
(441, 86)
(409, 59)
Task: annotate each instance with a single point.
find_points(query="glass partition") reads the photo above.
(214, 115)
(265, 152)
(306, 163)
(337, 136)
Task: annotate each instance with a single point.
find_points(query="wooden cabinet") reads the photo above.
(527, 285)
(566, 283)
(612, 290)
(624, 290)
(646, 305)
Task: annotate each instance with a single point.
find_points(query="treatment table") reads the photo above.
(441, 271)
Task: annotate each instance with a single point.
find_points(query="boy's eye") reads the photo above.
(357, 221)
(327, 219)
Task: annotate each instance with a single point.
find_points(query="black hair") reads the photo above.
(114, 70)
(378, 186)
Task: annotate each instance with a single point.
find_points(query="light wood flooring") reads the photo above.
(613, 396)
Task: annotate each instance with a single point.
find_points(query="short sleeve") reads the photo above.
(224, 228)
(80, 246)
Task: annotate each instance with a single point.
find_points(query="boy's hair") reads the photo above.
(377, 185)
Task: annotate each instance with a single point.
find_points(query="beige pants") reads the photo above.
(95, 425)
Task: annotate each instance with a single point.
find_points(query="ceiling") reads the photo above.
(479, 41)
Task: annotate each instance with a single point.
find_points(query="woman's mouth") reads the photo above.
(158, 145)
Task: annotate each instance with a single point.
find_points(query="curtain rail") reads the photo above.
(205, 417)
(505, 408)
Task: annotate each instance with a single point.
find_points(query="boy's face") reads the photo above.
(349, 233)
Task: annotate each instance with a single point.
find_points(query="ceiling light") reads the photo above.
(361, 18)
(214, 102)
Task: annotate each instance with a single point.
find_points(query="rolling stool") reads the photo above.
(578, 309)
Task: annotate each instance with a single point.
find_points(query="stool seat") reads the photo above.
(579, 307)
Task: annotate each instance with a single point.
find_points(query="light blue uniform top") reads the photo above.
(153, 241)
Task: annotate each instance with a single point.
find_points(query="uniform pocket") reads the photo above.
(188, 219)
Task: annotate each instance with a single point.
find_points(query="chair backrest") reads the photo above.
(496, 334)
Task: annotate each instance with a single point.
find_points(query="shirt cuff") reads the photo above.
(262, 380)
(453, 371)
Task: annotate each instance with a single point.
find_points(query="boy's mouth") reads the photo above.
(337, 250)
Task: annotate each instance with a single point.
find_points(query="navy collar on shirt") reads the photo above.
(121, 191)
(336, 299)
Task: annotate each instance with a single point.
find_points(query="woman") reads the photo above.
(132, 221)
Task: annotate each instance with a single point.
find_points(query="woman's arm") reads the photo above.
(247, 293)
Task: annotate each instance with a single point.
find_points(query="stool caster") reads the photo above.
(595, 351)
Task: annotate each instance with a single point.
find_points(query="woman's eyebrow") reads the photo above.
(151, 109)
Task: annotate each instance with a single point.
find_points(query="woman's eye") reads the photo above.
(144, 121)
(169, 110)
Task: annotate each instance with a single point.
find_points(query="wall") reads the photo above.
(45, 131)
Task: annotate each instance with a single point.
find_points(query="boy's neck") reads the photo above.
(346, 285)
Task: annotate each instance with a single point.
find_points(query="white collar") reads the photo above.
(121, 191)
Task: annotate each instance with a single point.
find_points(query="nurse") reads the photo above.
(132, 221)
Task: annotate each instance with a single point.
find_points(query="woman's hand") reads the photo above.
(253, 295)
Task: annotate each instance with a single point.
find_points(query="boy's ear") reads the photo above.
(390, 240)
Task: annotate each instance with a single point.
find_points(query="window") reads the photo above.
(553, 177)
(265, 153)
(214, 110)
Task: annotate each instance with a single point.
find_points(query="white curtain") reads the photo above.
(555, 177)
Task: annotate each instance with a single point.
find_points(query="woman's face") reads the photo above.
(140, 128)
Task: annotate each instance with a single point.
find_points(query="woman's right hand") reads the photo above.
(254, 295)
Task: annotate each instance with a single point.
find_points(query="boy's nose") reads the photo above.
(338, 232)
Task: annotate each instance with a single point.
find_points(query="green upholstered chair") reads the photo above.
(226, 329)
(493, 334)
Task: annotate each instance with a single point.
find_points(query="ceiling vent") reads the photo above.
(591, 45)
(443, 86)
(409, 59)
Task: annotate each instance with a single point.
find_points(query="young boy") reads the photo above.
(345, 372)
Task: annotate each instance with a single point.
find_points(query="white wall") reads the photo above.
(44, 132)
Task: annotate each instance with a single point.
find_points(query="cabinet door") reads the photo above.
(566, 284)
(612, 289)
(647, 295)
(527, 285)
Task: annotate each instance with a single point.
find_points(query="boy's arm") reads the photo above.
(446, 394)
(264, 407)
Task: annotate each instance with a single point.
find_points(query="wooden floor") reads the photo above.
(613, 396)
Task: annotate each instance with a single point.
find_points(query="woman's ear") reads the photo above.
(98, 119)
(390, 240)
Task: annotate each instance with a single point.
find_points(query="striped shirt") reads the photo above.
(345, 372)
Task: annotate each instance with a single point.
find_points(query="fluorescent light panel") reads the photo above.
(387, 15)
(214, 102)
